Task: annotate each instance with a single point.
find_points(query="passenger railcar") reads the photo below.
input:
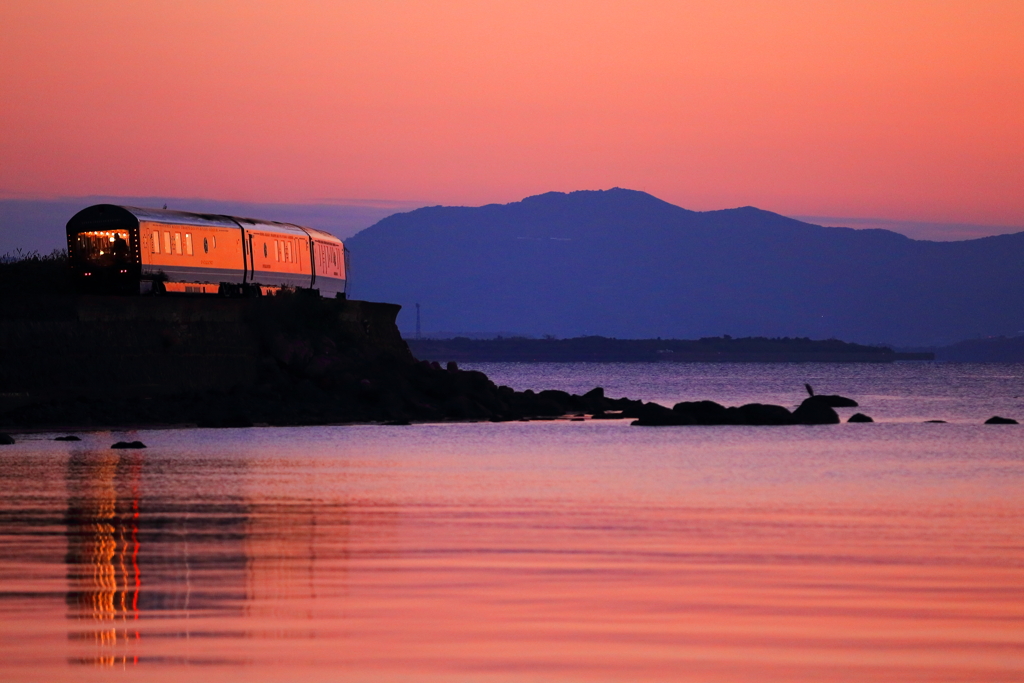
(125, 249)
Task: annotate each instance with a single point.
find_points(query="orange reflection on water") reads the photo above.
(103, 552)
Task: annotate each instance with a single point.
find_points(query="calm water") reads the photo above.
(539, 551)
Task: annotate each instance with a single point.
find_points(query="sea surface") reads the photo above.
(537, 551)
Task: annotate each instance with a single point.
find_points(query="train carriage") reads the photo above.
(124, 249)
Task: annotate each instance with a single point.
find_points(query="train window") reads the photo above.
(167, 243)
(206, 246)
(188, 243)
(265, 255)
(102, 248)
(288, 244)
(214, 241)
(277, 252)
(156, 242)
(177, 243)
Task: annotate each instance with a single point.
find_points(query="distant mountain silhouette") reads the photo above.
(625, 264)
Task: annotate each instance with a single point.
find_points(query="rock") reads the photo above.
(6, 440)
(67, 438)
(815, 412)
(576, 419)
(560, 398)
(629, 408)
(548, 407)
(859, 417)
(452, 366)
(996, 420)
(935, 422)
(593, 401)
(703, 412)
(129, 444)
(397, 423)
(763, 414)
(656, 415)
(834, 401)
(608, 415)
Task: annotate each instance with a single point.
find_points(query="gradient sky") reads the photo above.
(907, 111)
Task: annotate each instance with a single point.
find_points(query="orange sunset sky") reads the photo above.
(903, 110)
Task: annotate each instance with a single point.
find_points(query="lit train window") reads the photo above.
(167, 243)
(156, 242)
(277, 252)
(206, 246)
(177, 243)
(188, 243)
(214, 241)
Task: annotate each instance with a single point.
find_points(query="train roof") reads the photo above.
(101, 212)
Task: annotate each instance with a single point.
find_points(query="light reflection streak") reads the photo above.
(103, 552)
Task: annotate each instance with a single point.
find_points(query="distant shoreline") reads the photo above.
(608, 350)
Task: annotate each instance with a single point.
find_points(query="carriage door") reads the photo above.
(252, 261)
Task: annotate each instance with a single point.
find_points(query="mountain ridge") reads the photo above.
(623, 263)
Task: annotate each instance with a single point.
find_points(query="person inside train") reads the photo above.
(120, 249)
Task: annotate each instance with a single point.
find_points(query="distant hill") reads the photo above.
(990, 350)
(621, 263)
(707, 350)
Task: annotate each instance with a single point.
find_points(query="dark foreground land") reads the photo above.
(707, 350)
(69, 361)
(286, 360)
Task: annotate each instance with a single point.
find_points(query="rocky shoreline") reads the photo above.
(391, 394)
(89, 363)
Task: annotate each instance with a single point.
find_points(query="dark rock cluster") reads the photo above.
(814, 410)
(128, 444)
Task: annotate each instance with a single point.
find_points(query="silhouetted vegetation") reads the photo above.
(26, 272)
(34, 285)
